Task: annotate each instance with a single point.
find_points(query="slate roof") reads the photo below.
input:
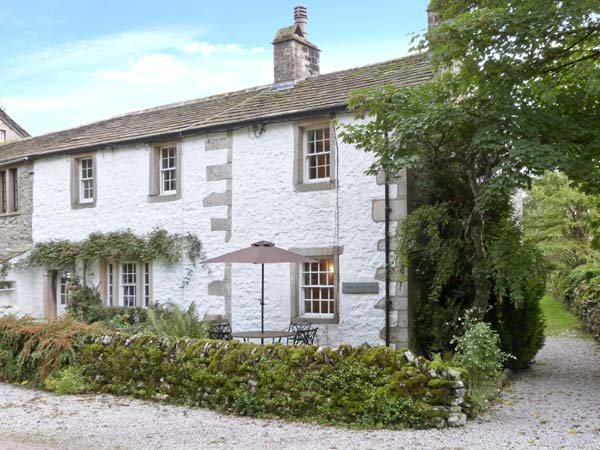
(12, 124)
(320, 94)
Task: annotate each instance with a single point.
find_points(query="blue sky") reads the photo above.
(70, 62)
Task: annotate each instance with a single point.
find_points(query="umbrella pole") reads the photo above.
(262, 304)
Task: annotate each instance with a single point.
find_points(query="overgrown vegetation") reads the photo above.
(514, 95)
(478, 351)
(31, 350)
(69, 380)
(564, 222)
(365, 387)
(159, 245)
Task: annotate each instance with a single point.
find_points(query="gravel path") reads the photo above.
(554, 405)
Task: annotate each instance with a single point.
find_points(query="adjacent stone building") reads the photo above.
(263, 163)
(16, 187)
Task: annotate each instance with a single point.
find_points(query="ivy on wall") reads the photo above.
(159, 245)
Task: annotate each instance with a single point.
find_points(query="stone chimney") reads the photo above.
(433, 19)
(294, 56)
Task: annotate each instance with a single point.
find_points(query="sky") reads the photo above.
(70, 62)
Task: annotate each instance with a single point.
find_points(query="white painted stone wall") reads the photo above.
(27, 298)
(264, 206)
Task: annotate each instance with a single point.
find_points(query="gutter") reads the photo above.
(184, 132)
(10, 162)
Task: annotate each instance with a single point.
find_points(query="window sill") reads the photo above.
(83, 205)
(164, 198)
(317, 320)
(312, 187)
(10, 214)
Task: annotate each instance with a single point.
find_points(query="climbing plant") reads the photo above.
(159, 245)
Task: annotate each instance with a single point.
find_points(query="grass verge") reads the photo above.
(558, 319)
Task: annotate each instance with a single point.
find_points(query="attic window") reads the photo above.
(2, 136)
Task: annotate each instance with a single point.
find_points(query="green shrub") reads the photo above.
(69, 380)
(478, 351)
(31, 349)
(586, 304)
(171, 320)
(574, 280)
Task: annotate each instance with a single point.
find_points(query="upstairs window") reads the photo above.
(86, 180)
(2, 136)
(83, 181)
(165, 172)
(9, 191)
(314, 155)
(168, 170)
(318, 154)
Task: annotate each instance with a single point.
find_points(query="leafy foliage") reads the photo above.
(364, 387)
(563, 223)
(30, 350)
(69, 380)
(514, 95)
(159, 245)
(478, 351)
(171, 320)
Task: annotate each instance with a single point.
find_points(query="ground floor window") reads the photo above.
(314, 292)
(129, 284)
(317, 288)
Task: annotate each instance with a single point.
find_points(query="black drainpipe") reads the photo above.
(388, 301)
(387, 261)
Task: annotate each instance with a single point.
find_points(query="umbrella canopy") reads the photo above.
(262, 252)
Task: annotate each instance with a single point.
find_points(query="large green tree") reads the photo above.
(515, 94)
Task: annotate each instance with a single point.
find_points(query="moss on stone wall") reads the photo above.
(361, 386)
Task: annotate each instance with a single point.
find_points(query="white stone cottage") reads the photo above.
(260, 164)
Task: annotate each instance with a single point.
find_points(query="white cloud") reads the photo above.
(89, 54)
(150, 69)
(207, 49)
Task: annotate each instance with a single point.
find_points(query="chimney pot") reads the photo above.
(301, 17)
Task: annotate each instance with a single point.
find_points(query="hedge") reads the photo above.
(582, 296)
(364, 387)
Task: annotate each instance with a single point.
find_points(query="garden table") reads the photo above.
(262, 335)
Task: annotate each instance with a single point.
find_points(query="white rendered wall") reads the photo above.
(264, 206)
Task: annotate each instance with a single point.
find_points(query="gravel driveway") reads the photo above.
(554, 405)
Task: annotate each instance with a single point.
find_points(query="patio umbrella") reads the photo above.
(261, 252)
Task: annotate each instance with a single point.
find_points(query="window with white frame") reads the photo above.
(86, 180)
(63, 291)
(128, 288)
(9, 190)
(317, 154)
(2, 136)
(83, 181)
(168, 170)
(165, 172)
(128, 284)
(110, 284)
(317, 288)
